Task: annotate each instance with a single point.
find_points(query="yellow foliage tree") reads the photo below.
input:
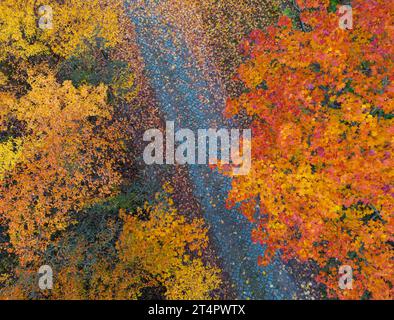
(72, 22)
(10, 153)
(161, 246)
(163, 250)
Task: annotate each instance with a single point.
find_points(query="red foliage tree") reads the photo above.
(320, 100)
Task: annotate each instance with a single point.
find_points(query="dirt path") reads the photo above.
(192, 100)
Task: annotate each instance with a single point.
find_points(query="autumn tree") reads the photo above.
(168, 249)
(66, 160)
(320, 102)
(92, 63)
(157, 250)
(72, 22)
(59, 141)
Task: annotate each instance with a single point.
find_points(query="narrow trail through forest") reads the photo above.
(188, 98)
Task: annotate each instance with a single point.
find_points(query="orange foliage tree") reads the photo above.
(67, 147)
(320, 103)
